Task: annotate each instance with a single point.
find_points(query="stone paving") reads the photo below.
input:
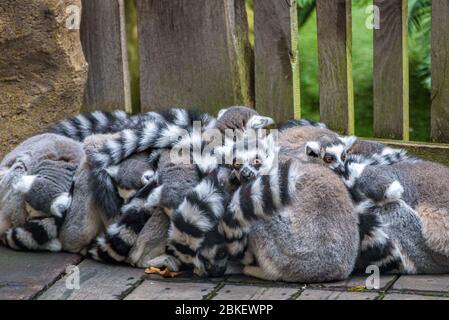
(43, 276)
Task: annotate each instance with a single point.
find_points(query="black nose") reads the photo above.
(217, 271)
(247, 174)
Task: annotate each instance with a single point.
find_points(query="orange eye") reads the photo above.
(328, 159)
(343, 157)
(257, 161)
(237, 165)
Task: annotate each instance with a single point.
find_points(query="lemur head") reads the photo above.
(47, 191)
(253, 156)
(131, 175)
(240, 118)
(330, 151)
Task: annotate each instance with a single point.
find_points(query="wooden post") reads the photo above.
(103, 36)
(194, 54)
(440, 71)
(334, 24)
(276, 59)
(391, 77)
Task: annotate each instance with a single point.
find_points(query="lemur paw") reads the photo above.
(163, 261)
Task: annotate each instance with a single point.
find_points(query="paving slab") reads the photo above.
(311, 294)
(434, 283)
(398, 296)
(156, 290)
(98, 281)
(236, 292)
(25, 274)
(357, 281)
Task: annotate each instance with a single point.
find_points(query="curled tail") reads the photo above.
(255, 200)
(98, 122)
(176, 124)
(376, 248)
(114, 246)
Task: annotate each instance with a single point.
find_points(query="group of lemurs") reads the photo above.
(155, 189)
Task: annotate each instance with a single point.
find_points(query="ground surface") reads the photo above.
(25, 275)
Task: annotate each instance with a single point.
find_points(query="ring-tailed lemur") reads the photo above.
(157, 134)
(39, 174)
(239, 119)
(420, 184)
(72, 228)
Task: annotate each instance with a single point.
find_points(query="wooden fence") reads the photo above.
(197, 54)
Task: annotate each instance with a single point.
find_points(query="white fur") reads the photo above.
(221, 113)
(394, 191)
(101, 118)
(259, 122)
(192, 214)
(115, 149)
(149, 134)
(257, 198)
(114, 229)
(181, 118)
(53, 245)
(113, 171)
(170, 135)
(312, 146)
(84, 122)
(355, 171)
(148, 176)
(348, 141)
(24, 184)
(375, 238)
(207, 192)
(60, 204)
(154, 198)
(130, 142)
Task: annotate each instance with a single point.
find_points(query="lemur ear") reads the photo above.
(24, 184)
(61, 204)
(272, 142)
(259, 122)
(147, 177)
(221, 113)
(313, 149)
(112, 171)
(348, 141)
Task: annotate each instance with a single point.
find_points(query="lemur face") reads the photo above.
(331, 152)
(253, 158)
(212, 258)
(131, 175)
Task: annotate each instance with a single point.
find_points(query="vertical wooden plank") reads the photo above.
(103, 35)
(334, 24)
(391, 87)
(276, 59)
(440, 71)
(194, 54)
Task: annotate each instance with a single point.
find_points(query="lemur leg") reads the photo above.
(36, 234)
(258, 272)
(435, 223)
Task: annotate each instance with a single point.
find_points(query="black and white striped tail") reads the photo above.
(376, 248)
(146, 135)
(114, 246)
(97, 122)
(256, 200)
(37, 234)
